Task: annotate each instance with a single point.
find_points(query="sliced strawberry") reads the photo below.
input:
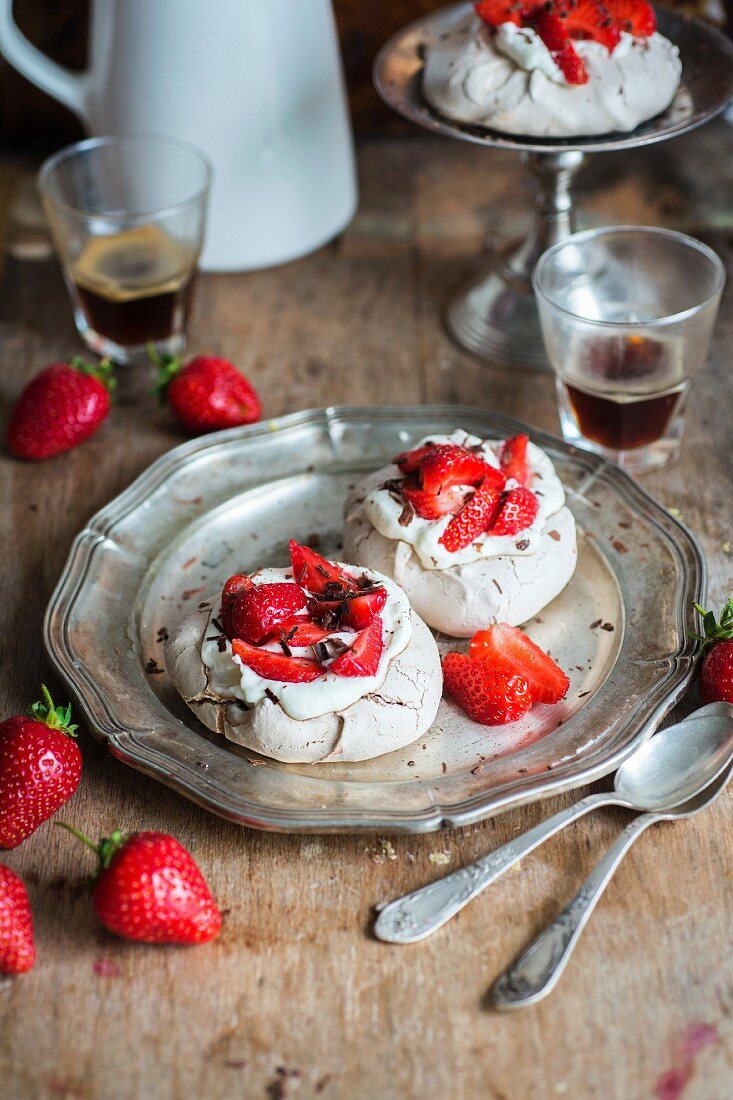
(409, 461)
(517, 512)
(448, 464)
(258, 612)
(363, 657)
(314, 572)
(297, 632)
(507, 649)
(362, 610)
(590, 19)
(276, 666)
(474, 518)
(551, 30)
(232, 590)
(485, 694)
(496, 12)
(513, 458)
(434, 505)
(637, 17)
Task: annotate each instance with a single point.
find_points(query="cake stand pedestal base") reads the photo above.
(495, 316)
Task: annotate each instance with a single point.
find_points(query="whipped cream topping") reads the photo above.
(423, 535)
(525, 48)
(509, 82)
(329, 693)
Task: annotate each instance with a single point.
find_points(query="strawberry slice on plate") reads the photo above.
(259, 611)
(551, 29)
(487, 695)
(276, 666)
(513, 458)
(476, 516)
(518, 511)
(448, 464)
(314, 572)
(434, 505)
(509, 650)
(362, 659)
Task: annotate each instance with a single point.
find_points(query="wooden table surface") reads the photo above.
(295, 999)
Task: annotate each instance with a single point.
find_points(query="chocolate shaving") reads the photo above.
(522, 544)
(322, 570)
(393, 485)
(329, 647)
(607, 626)
(153, 669)
(497, 585)
(217, 624)
(555, 535)
(286, 648)
(271, 695)
(406, 515)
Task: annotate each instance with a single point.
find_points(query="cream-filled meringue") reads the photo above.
(509, 578)
(507, 80)
(332, 717)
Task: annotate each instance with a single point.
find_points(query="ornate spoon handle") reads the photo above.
(420, 913)
(537, 969)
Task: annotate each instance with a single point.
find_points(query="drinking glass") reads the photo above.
(627, 314)
(127, 215)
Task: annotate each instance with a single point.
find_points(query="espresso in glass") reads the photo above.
(127, 215)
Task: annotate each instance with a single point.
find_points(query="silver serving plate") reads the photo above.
(230, 502)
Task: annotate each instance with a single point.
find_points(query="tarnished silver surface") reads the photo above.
(230, 502)
(494, 316)
(538, 968)
(662, 773)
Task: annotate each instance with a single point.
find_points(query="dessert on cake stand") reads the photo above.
(495, 316)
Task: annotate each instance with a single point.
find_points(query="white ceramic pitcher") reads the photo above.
(256, 84)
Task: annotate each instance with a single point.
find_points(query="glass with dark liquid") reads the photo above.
(127, 215)
(627, 315)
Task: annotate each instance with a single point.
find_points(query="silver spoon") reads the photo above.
(537, 969)
(669, 769)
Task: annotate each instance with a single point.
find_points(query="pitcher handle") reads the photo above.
(68, 87)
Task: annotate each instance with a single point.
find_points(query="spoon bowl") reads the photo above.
(678, 762)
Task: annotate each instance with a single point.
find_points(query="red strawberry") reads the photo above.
(448, 464)
(60, 408)
(513, 458)
(206, 394)
(409, 461)
(40, 768)
(362, 610)
(716, 671)
(363, 657)
(474, 518)
(590, 19)
(485, 694)
(518, 510)
(257, 613)
(634, 16)
(297, 632)
(314, 572)
(434, 505)
(149, 889)
(17, 949)
(496, 12)
(276, 666)
(506, 649)
(233, 589)
(551, 30)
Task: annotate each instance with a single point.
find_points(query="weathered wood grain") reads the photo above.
(296, 999)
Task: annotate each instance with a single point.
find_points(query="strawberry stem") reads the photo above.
(56, 718)
(107, 848)
(168, 367)
(714, 631)
(103, 371)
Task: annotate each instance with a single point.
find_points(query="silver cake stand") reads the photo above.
(495, 316)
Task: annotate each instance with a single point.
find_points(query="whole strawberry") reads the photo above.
(17, 949)
(206, 394)
(716, 669)
(40, 768)
(149, 889)
(60, 408)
